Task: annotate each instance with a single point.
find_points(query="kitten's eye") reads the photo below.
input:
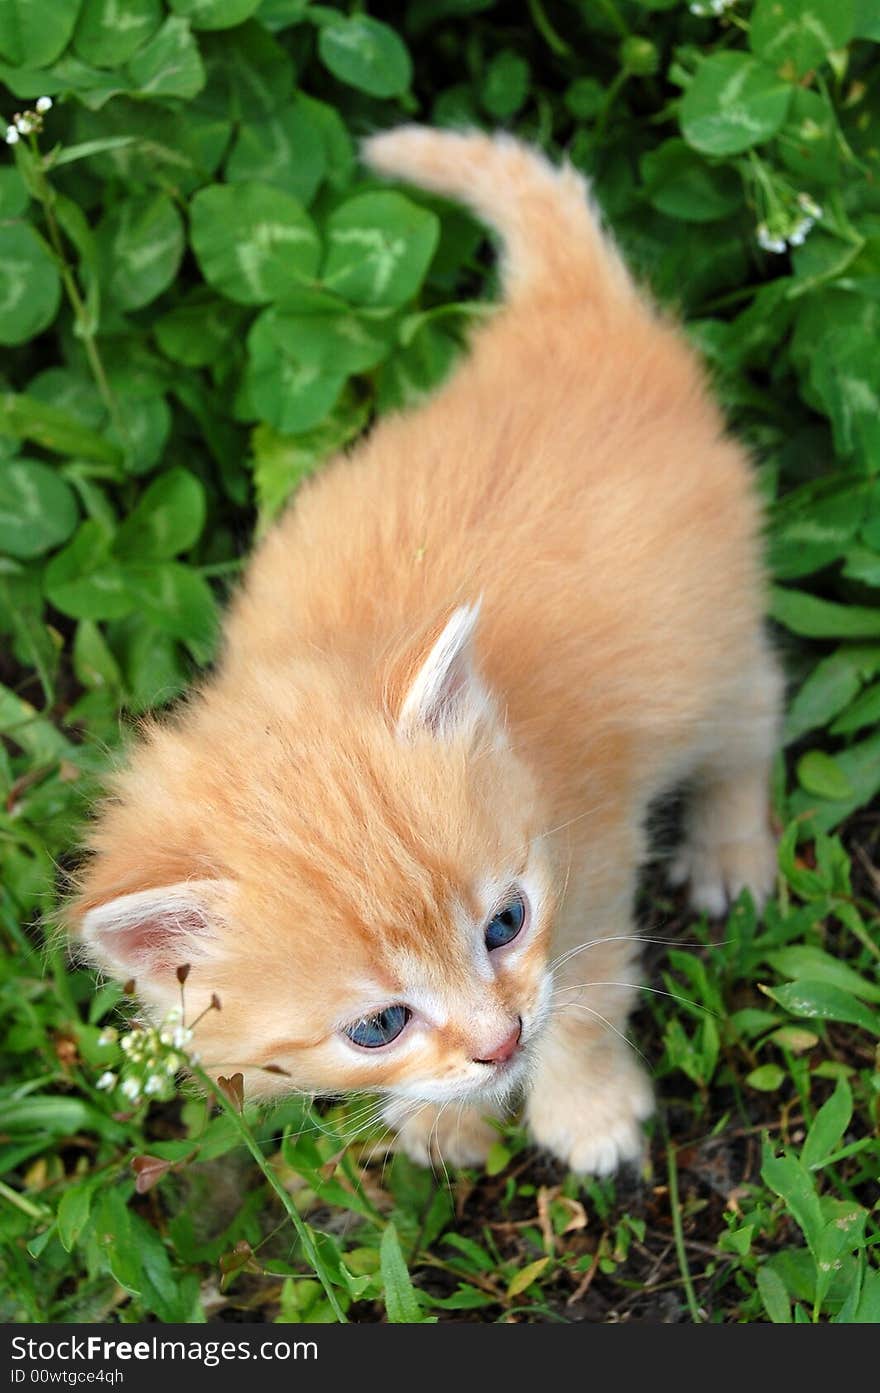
(370, 1032)
(506, 924)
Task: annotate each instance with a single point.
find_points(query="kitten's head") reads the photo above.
(357, 871)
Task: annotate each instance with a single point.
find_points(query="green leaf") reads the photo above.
(93, 663)
(847, 383)
(819, 773)
(681, 185)
(170, 65)
(505, 84)
(287, 149)
(788, 1178)
(861, 766)
(774, 1295)
(37, 508)
(199, 331)
(142, 242)
(866, 25)
(828, 1126)
(524, 1278)
(830, 687)
(366, 54)
(178, 600)
(84, 582)
(30, 288)
(864, 711)
(280, 462)
(733, 103)
(288, 391)
(108, 33)
(814, 618)
(167, 520)
(32, 35)
(50, 1113)
(247, 79)
(816, 1000)
(804, 960)
(215, 14)
(252, 241)
(14, 196)
(401, 1303)
(799, 34)
(74, 1209)
(379, 247)
(767, 1078)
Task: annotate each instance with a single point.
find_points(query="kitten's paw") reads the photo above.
(592, 1124)
(718, 872)
(456, 1135)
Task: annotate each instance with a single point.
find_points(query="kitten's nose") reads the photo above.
(507, 1047)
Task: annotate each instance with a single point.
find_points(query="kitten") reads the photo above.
(397, 830)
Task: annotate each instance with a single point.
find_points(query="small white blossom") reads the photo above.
(798, 234)
(767, 241)
(181, 1037)
(107, 1080)
(11, 135)
(809, 205)
(44, 104)
(154, 1084)
(131, 1089)
(108, 1036)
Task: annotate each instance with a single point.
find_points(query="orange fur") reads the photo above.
(574, 477)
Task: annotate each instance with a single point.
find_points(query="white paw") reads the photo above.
(718, 872)
(459, 1136)
(593, 1125)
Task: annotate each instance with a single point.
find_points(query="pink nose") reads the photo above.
(507, 1047)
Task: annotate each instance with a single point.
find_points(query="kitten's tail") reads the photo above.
(551, 231)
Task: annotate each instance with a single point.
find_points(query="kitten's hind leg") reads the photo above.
(435, 1133)
(729, 845)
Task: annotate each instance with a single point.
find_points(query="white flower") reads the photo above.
(131, 1089)
(126, 1043)
(107, 1080)
(181, 1037)
(108, 1036)
(154, 1084)
(809, 205)
(798, 234)
(44, 104)
(767, 241)
(11, 135)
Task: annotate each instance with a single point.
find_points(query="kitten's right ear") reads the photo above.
(148, 935)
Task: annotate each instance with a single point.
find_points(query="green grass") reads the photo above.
(158, 404)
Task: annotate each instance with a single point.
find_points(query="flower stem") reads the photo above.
(678, 1235)
(46, 195)
(293, 1213)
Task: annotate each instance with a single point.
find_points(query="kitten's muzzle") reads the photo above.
(505, 1050)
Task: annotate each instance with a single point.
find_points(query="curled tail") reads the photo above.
(553, 243)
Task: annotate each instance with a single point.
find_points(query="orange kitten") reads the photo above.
(398, 830)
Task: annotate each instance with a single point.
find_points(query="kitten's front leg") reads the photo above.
(588, 1099)
(442, 1132)
(589, 1096)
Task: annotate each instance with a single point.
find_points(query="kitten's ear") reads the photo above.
(148, 935)
(447, 696)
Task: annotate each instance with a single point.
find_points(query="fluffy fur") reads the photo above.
(466, 660)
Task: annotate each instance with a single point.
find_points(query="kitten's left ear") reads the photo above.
(447, 697)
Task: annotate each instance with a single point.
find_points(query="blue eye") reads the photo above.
(371, 1032)
(506, 924)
